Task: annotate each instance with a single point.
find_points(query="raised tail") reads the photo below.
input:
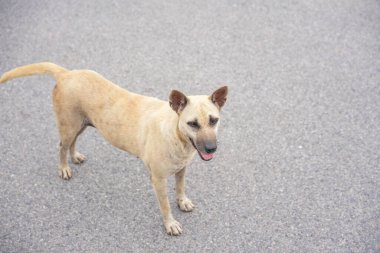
(33, 69)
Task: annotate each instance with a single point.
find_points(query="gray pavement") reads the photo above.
(297, 168)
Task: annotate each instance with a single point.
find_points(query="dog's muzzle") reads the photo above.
(209, 150)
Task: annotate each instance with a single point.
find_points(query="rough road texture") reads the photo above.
(297, 168)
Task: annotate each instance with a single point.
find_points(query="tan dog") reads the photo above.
(164, 135)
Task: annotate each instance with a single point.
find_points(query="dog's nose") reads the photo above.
(210, 148)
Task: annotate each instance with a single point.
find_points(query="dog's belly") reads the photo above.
(121, 138)
(117, 119)
(115, 140)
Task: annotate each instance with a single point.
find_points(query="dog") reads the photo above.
(164, 134)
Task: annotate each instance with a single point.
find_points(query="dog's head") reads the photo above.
(199, 119)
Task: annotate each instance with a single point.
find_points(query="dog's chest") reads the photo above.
(175, 169)
(178, 163)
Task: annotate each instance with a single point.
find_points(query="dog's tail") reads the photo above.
(33, 69)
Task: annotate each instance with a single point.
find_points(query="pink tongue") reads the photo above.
(207, 156)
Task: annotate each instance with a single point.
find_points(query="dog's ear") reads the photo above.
(177, 101)
(219, 97)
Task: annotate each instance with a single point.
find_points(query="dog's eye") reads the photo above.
(194, 124)
(213, 121)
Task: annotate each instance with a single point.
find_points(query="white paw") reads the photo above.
(65, 172)
(173, 227)
(185, 204)
(78, 158)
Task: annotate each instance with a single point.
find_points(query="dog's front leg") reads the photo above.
(172, 226)
(183, 202)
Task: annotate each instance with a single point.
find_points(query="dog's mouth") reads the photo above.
(204, 156)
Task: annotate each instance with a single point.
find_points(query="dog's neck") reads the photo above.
(181, 136)
(183, 140)
(180, 146)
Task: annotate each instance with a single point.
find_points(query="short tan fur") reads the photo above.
(164, 134)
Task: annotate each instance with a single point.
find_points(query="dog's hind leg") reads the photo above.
(70, 123)
(77, 157)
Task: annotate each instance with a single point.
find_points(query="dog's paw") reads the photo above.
(185, 204)
(65, 172)
(78, 158)
(173, 227)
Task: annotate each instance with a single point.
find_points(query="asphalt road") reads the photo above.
(297, 169)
